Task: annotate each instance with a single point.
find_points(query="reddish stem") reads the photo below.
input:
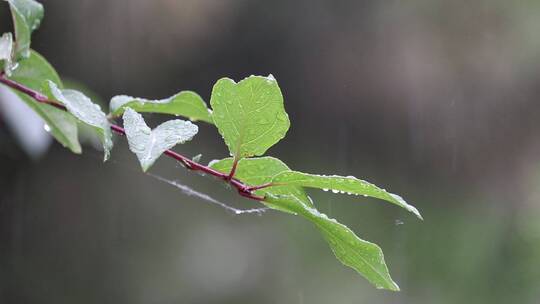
(243, 189)
(34, 94)
(233, 169)
(259, 187)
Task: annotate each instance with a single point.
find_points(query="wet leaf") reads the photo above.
(27, 15)
(249, 114)
(364, 257)
(6, 53)
(87, 112)
(32, 72)
(186, 103)
(259, 171)
(341, 184)
(149, 144)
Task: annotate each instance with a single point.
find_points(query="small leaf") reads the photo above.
(6, 53)
(87, 112)
(260, 171)
(341, 184)
(186, 103)
(364, 257)
(27, 15)
(32, 73)
(249, 115)
(149, 144)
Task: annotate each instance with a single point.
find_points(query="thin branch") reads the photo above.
(34, 94)
(189, 191)
(259, 187)
(243, 189)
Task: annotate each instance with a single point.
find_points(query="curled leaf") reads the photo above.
(27, 15)
(149, 144)
(87, 112)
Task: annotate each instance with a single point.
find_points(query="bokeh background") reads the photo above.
(434, 100)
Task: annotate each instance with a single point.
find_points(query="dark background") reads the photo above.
(434, 100)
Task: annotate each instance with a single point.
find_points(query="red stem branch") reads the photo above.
(243, 189)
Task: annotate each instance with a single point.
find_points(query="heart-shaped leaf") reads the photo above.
(149, 144)
(249, 114)
(87, 112)
(27, 15)
(186, 103)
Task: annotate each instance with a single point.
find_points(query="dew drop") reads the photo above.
(324, 189)
(46, 128)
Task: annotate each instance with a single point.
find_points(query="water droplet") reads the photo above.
(46, 128)
(324, 189)
(335, 191)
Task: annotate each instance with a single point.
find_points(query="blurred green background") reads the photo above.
(434, 100)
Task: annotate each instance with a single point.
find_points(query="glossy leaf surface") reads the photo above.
(149, 144)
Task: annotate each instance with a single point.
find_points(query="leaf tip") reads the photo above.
(407, 206)
(393, 286)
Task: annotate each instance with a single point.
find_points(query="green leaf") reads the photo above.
(186, 103)
(364, 257)
(6, 53)
(27, 15)
(249, 115)
(86, 111)
(32, 73)
(340, 184)
(260, 171)
(149, 144)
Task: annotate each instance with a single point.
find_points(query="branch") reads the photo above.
(243, 189)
